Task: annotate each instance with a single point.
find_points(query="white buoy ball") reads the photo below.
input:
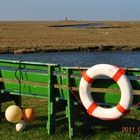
(13, 114)
(20, 126)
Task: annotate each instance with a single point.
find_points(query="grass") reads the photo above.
(24, 37)
(16, 37)
(86, 127)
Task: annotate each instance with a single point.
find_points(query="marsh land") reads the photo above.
(47, 36)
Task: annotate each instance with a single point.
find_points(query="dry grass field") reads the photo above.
(24, 37)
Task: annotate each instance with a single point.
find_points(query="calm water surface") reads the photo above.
(85, 25)
(122, 59)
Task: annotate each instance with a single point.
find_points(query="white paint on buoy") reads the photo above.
(20, 126)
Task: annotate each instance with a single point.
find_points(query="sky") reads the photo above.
(72, 9)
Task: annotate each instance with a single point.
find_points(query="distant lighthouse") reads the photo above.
(66, 19)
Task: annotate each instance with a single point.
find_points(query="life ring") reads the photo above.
(118, 75)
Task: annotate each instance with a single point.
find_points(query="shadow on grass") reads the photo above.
(86, 126)
(39, 122)
(90, 126)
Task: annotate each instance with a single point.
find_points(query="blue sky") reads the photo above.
(73, 9)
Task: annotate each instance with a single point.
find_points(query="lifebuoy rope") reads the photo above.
(75, 95)
(122, 109)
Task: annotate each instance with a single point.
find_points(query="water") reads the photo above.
(122, 59)
(85, 25)
(82, 25)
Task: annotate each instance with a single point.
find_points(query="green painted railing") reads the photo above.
(59, 85)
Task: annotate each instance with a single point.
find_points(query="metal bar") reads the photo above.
(23, 82)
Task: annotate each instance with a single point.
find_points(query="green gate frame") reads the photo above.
(59, 86)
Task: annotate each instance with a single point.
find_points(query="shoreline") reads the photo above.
(32, 37)
(100, 48)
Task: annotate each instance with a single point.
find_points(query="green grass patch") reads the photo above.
(127, 128)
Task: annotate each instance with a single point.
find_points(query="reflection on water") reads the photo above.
(122, 59)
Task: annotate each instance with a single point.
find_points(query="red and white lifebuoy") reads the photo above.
(118, 75)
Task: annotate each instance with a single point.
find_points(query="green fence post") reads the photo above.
(69, 107)
(0, 107)
(17, 100)
(51, 102)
